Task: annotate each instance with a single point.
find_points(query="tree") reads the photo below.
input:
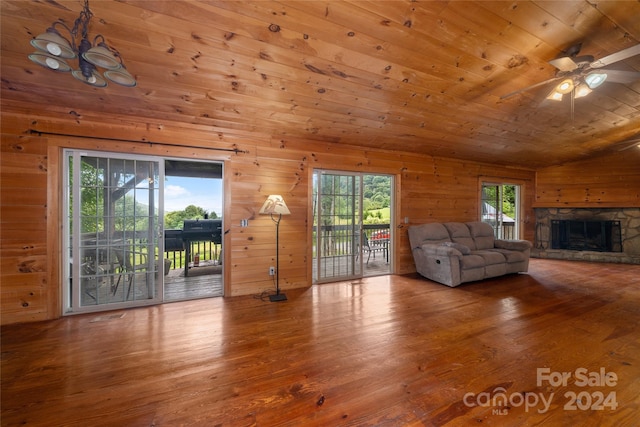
(175, 219)
(377, 190)
(508, 202)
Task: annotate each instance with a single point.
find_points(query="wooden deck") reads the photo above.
(383, 351)
(202, 282)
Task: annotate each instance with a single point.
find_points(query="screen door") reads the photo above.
(337, 226)
(112, 231)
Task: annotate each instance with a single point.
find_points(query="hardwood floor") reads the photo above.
(384, 351)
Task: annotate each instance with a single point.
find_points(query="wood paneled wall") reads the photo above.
(428, 189)
(612, 181)
(26, 292)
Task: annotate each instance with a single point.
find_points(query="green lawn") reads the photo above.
(378, 216)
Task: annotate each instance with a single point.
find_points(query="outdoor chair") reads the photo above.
(131, 263)
(378, 245)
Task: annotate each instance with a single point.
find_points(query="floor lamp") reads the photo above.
(275, 205)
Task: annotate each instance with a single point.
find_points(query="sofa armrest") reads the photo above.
(431, 249)
(439, 263)
(513, 245)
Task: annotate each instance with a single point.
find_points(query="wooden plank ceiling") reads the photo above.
(419, 76)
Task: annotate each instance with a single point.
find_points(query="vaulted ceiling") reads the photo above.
(419, 76)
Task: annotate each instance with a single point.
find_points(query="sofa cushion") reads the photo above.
(464, 250)
(490, 257)
(482, 234)
(459, 233)
(512, 256)
(427, 233)
(469, 262)
(514, 245)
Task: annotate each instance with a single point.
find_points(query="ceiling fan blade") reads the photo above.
(530, 87)
(615, 57)
(619, 76)
(633, 144)
(633, 141)
(564, 64)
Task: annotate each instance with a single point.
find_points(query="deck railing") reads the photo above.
(205, 250)
(343, 239)
(508, 231)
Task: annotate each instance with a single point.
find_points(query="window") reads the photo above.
(500, 207)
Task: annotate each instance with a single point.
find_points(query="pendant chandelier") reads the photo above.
(54, 50)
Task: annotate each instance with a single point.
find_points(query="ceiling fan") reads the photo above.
(579, 75)
(632, 142)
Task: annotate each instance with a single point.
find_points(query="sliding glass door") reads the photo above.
(112, 231)
(337, 226)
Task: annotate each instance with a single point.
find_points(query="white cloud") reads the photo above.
(175, 191)
(204, 193)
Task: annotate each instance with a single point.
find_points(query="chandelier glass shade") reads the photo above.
(53, 43)
(49, 61)
(53, 51)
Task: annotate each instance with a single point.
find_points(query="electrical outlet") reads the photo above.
(272, 271)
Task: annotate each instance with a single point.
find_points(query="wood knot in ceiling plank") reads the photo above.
(517, 61)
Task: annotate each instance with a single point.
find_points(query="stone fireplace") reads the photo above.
(588, 234)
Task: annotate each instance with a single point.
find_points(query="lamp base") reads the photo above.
(277, 297)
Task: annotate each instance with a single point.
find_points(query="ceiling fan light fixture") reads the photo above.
(595, 79)
(582, 90)
(565, 86)
(555, 95)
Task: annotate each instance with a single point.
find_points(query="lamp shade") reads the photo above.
(49, 61)
(555, 95)
(565, 86)
(53, 43)
(101, 56)
(582, 90)
(121, 77)
(95, 79)
(594, 80)
(274, 205)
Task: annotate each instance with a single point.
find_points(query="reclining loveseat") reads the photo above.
(452, 253)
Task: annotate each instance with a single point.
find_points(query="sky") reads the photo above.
(180, 192)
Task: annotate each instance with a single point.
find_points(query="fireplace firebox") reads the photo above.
(578, 235)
